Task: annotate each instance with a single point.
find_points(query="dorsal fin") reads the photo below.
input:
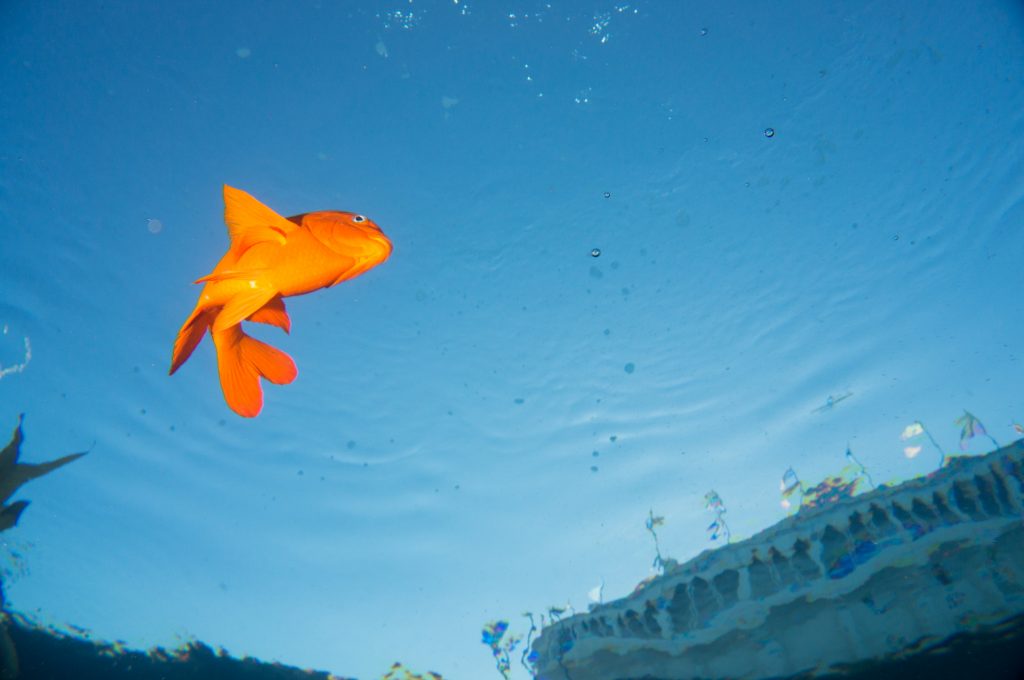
(250, 222)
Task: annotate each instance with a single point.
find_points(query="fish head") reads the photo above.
(348, 234)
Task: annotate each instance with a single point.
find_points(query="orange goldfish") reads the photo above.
(270, 258)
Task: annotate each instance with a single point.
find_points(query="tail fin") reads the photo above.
(242, 361)
(191, 333)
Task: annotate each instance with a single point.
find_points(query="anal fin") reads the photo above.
(273, 313)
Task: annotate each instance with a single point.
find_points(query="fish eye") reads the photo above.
(358, 218)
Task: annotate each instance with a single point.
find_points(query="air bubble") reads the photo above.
(769, 132)
(596, 252)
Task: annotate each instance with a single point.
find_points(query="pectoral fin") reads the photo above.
(243, 305)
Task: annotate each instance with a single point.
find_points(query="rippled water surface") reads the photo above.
(636, 247)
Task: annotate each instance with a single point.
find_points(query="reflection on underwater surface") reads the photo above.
(879, 583)
(849, 581)
(646, 249)
(46, 656)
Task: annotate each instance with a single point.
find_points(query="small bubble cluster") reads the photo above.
(404, 20)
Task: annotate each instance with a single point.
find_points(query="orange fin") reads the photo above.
(242, 306)
(273, 313)
(241, 362)
(250, 222)
(190, 335)
(230, 274)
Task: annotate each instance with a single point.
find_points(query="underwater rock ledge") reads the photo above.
(866, 581)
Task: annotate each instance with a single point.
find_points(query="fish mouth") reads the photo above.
(383, 245)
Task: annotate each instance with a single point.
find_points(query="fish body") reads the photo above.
(270, 258)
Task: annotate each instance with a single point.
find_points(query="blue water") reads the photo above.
(482, 424)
